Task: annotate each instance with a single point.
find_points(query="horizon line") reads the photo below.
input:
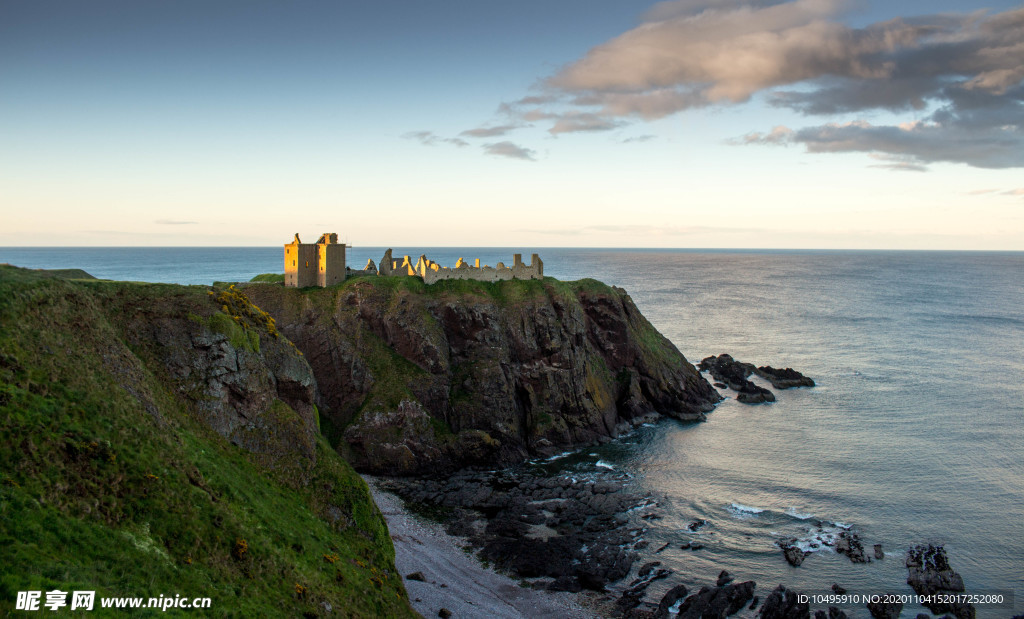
(561, 247)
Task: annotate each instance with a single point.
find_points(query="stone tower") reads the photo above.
(320, 264)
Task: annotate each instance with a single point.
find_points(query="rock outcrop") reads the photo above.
(416, 379)
(245, 382)
(783, 603)
(783, 378)
(734, 374)
(567, 528)
(929, 574)
(720, 601)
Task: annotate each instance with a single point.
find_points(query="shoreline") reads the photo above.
(454, 579)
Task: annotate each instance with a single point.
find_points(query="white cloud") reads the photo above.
(508, 149)
(964, 71)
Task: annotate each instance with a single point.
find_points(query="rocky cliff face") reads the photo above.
(223, 355)
(415, 379)
(160, 438)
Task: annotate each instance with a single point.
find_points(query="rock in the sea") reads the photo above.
(885, 610)
(648, 568)
(727, 370)
(837, 589)
(631, 597)
(416, 576)
(724, 578)
(848, 543)
(672, 596)
(697, 524)
(575, 531)
(929, 573)
(783, 603)
(720, 601)
(794, 556)
(878, 552)
(783, 378)
(444, 613)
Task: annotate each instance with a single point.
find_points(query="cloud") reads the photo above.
(919, 142)
(897, 164)
(508, 149)
(1014, 192)
(962, 75)
(175, 222)
(491, 132)
(778, 136)
(638, 138)
(429, 138)
(981, 192)
(576, 122)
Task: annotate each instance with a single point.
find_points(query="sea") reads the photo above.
(913, 434)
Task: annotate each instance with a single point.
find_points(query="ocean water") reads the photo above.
(913, 434)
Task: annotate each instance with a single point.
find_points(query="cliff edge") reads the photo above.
(416, 379)
(163, 440)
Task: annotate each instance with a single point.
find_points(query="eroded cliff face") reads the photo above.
(169, 434)
(221, 354)
(417, 379)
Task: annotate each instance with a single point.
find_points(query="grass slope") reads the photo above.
(109, 483)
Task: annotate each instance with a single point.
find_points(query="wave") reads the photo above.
(791, 512)
(819, 538)
(744, 510)
(604, 465)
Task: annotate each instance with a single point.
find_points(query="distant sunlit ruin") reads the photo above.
(323, 264)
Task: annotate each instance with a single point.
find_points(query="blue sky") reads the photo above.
(809, 123)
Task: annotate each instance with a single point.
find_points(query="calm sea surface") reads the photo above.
(914, 434)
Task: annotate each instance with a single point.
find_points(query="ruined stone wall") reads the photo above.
(323, 264)
(432, 272)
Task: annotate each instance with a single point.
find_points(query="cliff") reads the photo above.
(159, 439)
(416, 379)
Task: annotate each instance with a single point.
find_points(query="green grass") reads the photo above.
(269, 278)
(110, 482)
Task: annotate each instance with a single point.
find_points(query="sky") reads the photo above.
(577, 123)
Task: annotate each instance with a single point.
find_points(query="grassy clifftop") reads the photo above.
(159, 439)
(417, 378)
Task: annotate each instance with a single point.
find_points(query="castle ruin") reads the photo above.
(314, 264)
(323, 264)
